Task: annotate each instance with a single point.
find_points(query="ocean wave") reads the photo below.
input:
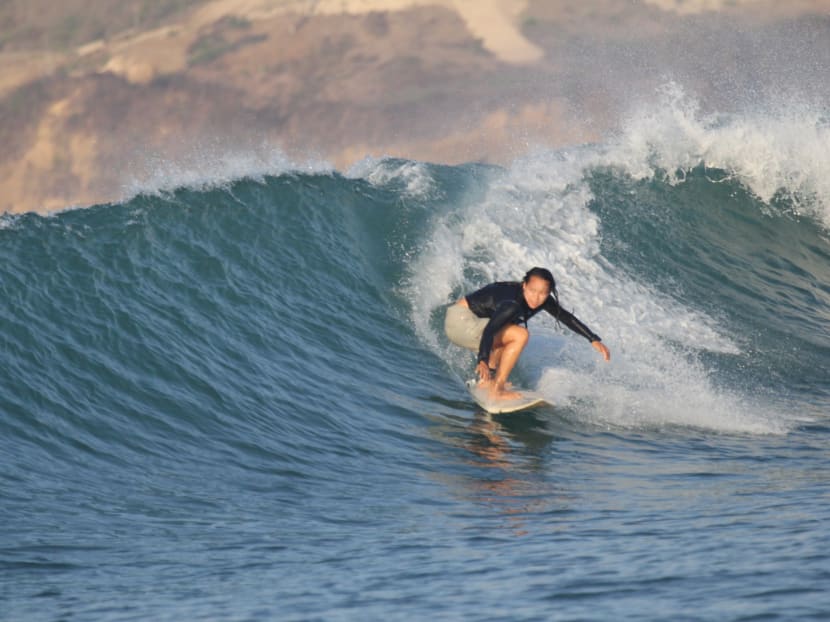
(777, 151)
(710, 296)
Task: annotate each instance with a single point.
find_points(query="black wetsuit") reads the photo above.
(504, 303)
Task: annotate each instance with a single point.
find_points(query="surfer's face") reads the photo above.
(536, 291)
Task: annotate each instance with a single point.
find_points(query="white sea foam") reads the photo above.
(777, 147)
(414, 176)
(211, 166)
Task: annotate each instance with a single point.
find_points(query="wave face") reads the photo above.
(245, 384)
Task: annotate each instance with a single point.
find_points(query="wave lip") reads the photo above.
(207, 166)
(777, 152)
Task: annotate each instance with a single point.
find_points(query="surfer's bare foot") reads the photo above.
(501, 394)
(485, 384)
(487, 377)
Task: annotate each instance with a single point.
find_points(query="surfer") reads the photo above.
(493, 321)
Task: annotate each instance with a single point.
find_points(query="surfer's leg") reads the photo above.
(495, 357)
(493, 363)
(507, 347)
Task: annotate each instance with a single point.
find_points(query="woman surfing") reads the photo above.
(493, 322)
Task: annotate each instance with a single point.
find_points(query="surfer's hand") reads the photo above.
(483, 371)
(602, 349)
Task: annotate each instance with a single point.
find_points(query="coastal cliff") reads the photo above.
(96, 97)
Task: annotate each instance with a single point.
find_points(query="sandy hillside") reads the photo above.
(95, 96)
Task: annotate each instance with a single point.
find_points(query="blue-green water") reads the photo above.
(234, 401)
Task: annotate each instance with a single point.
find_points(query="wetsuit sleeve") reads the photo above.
(570, 320)
(502, 316)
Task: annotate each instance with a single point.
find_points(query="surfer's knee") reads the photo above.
(518, 335)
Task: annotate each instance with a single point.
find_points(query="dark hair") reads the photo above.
(545, 275)
(542, 273)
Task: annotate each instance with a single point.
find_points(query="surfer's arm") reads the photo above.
(571, 321)
(502, 316)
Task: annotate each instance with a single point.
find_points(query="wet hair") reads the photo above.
(542, 273)
(545, 275)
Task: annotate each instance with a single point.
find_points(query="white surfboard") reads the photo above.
(481, 396)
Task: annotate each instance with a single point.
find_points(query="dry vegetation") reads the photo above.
(90, 89)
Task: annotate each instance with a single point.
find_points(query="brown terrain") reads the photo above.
(93, 93)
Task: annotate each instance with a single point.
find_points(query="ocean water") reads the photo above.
(228, 396)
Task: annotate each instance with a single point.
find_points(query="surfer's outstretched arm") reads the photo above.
(572, 322)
